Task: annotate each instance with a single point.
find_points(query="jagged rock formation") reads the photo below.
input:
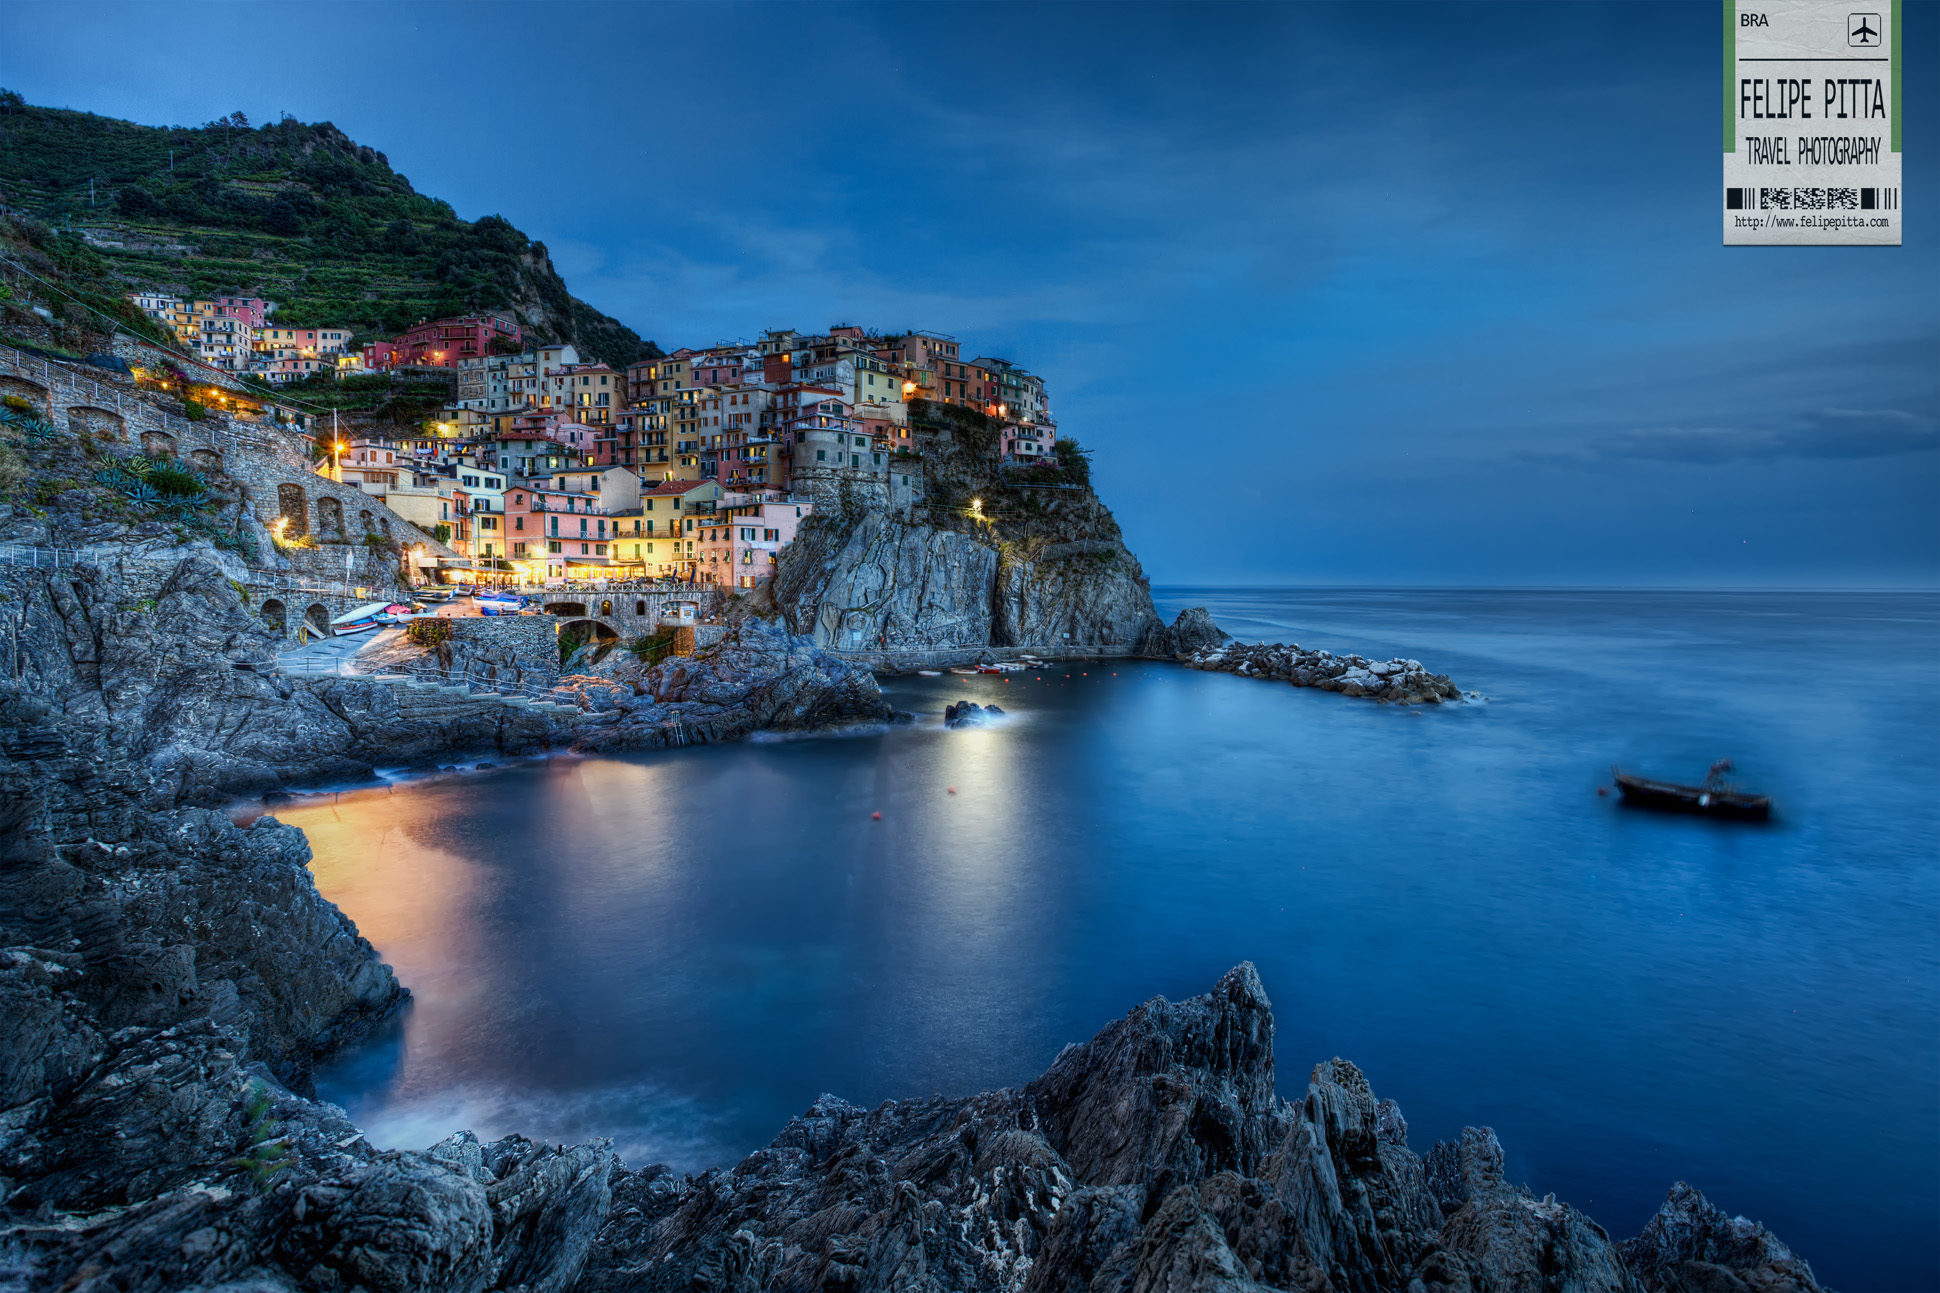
(1691, 1246)
(1192, 633)
(1155, 1157)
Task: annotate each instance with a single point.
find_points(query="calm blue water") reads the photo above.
(682, 950)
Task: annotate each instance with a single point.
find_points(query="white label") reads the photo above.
(1812, 123)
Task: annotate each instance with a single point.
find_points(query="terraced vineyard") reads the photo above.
(297, 213)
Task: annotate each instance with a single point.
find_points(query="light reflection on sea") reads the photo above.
(682, 949)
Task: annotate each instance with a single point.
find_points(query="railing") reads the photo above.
(968, 655)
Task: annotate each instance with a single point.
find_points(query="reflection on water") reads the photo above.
(680, 950)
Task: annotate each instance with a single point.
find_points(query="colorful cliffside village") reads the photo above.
(697, 466)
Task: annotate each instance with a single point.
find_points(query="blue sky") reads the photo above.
(1377, 294)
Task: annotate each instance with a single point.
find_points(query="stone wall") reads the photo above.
(506, 648)
(266, 462)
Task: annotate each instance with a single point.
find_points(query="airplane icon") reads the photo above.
(1859, 31)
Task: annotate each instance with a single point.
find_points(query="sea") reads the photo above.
(680, 950)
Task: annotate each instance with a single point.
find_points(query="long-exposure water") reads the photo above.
(680, 950)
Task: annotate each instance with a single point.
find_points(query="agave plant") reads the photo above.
(143, 493)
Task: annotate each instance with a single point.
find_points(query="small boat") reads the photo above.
(929, 673)
(371, 615)
(1714, 797)
(1000, 668)
(499, 603)
(433, 594)
(966, 672)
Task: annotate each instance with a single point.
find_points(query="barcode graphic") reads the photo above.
(1836, 198)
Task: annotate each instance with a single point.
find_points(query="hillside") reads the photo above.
(300, 214)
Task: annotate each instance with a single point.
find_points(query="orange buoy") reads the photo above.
(875, 817)
(953, 790)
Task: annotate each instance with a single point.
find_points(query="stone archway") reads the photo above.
(639, 608)
(330, 518)
(606, 608)
(601, 637)
(565, 608)
(276, 615)
(96, 424)
(207, 461)
(294, 508)
(317, 620)
(158, 444)
(368, 521)
(20, 388)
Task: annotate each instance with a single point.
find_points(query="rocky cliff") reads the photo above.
(996, 555)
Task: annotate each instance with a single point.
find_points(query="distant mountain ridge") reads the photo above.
(300, 214)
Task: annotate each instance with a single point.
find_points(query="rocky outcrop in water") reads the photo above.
(758, 678)
(1691, 1246)
(1400, 682)
(968, 713)
(1192, 633)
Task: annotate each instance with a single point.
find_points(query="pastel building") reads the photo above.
(441, 343)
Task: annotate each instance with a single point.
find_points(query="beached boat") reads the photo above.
(1714, 797)
(1001, 667)
(499, 603)
(371, 615)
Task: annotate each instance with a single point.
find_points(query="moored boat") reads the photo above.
(1714, 797)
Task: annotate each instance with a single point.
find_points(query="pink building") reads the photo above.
(441, 343)
(740, 544)
(1026, 443)
(253, 310)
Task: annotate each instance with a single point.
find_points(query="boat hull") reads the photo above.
(1669, 797)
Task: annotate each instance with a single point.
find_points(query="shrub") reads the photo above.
(193, 410)
(572, 640)
(428, 633)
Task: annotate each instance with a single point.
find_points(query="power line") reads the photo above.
(117, 325)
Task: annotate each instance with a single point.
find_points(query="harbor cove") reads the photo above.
(952, 649)
(681, 950)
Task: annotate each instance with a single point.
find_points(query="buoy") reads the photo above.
(953, 790)
(876, 817)
(1602, 790)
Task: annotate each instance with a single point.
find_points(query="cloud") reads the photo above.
(1827, 434)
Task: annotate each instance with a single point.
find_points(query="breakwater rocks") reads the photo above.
(1400, 682)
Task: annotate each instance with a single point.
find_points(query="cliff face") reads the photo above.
(877, 583)
(995, 555)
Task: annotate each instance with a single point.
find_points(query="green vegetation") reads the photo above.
(261, 1153)
(428, 633)
(300, 214)
(650, 649)
(571, 640)
(399, 398)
